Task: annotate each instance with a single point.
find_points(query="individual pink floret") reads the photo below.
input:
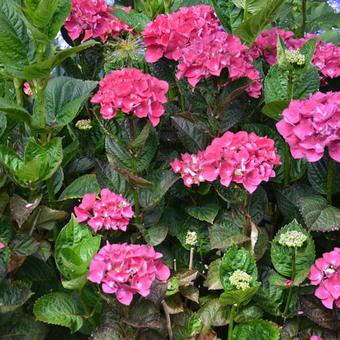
(133, 92)
(127, 269)
(94, 19)
(311, 125)
(110, 212)
(325, 273)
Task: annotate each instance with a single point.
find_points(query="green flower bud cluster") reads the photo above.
(240, 279)
(84, 124)
(292, 238)
(191, 238)
(295, 57)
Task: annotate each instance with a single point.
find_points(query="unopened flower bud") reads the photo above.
(84, 124)
(292, 238)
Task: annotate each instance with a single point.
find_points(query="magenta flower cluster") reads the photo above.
(311, 125)
(94, 19)
(325, 273)
(110, 212)
(127, 269)
(326, 55)
(193, 36)
(241, 157)
(132, 91)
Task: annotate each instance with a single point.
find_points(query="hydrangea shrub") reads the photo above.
(169, 169)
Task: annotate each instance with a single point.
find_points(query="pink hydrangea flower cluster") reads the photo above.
(241, 157)
(193, 36)
(110, 212)
(127, 269)
(311, 125)
(2, 246)
(132, 91)
(326, 56)
(167, 35)
(94, 19)
(325, 273)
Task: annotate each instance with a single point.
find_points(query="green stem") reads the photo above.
(330, 178)
(136, 206)
(39, 88)
(290, 290)
(50, 191)
(304, 17)
(286, 160)
(231, 322)
(18, 91)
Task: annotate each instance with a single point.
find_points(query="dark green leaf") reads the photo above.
(24, 245)
(79, 187)
(258, 205)
(136, 20)
(144, 314)
(13, 295)
(256, 329)
(238, 297)
(13, 110)
(58, 309)
(156, 234)
(318, 215)
(64, 98)
(205, 212)
(213, 281)
(248, 313)
(21, 209)
(274, 109)
(212, 313)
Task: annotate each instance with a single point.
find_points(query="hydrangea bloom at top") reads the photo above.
(194, 37)
(126, 269)
(111, 211)
(326, 56)
(311, 125)
(235, 157)
(94, 19)
(325, 273)
(132, 91)
(167, 35)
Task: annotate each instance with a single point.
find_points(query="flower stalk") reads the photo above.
(330, 178)
(231, 321)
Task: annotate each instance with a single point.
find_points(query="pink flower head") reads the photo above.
(325, 273)
(27, 89)
(2, 246)
(194, 37)
(111, 211)
(209, 54)
(94, 19)
(288, 282)
(132, 91)
(315, 337)
(311, 125)
(327, 59)
(167, 35)
(126, 269)
(190, 167)
(238, 157)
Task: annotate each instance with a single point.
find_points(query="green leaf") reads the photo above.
(162, 181)
(258, 205)
(191, 135)
(270, 296)
(136, 20)
(13, 295)
(119, 152)
(282, 256)
(74, 248)
(274, 109)
(229, 15)
(227, 231)
(237, 259)
(317, 176)
(206, 212)
(318, 215)
(58, 309)
(144, 314)
(59, 17)
(251, 6)
(64, 98)
(238, 297)
(43, 69)
(79, 187)
(140, 140)
(253, 26)
(213, 314)
(213, 281)
(24, 245)
(13, 110)
(3, 123)
(147, 153)
(248, 313)
(40, 12)
(14, 38)
(155, 235)
(256, 329)
(9, 159)
(308, 50)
